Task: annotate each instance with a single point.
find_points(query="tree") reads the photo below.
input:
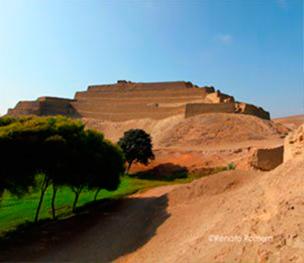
(26, 150)
(136, 145)
(97, 164)
(39, 152)
(56, 152)
(17, 172)
(108, 166)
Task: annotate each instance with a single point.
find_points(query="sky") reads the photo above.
(250, 49)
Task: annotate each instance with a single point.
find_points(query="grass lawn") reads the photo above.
(14, 211)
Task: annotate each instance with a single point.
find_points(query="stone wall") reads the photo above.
(267, 159)
(219, 97)
(25, 108)
(56, 106)
(252, 110)
(201, 108)
(193, 109)
(128, 100)
(45, 106)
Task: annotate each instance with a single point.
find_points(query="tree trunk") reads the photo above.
(45, 185)
(77, 193)
(129, 166)
(96, 194)
(53, 201)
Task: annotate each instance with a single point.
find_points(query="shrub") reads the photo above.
(231, 166)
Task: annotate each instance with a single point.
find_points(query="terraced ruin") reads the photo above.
(127, 100)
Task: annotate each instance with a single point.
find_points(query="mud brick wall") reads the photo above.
(45, 106)
(56, 106)
(25, 108)
(128, 100)
(252, 110)
(201, 108)
(267, 159)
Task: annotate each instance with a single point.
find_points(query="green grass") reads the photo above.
(14, 211)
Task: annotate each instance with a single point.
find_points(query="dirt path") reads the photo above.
(102, 235)
(174, 223)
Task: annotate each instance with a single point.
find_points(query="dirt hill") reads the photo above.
(233, 216)
(292, 122)
(214, 129)
(257, 217)
(206, 140)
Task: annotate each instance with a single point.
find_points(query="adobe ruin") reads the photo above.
(126, 100)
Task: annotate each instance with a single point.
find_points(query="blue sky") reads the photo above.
(252, 49)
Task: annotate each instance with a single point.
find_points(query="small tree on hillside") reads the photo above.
(136, 145)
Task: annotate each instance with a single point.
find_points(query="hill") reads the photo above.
(213, 139)
(233, 216)
(292, 122)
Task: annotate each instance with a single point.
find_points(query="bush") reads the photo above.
(231, 166)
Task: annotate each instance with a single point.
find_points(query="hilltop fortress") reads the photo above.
(126, 100)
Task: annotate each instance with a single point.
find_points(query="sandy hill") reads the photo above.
(213, 139)
(233, 216)
(241, 208)
(214, 129)
(292, 122)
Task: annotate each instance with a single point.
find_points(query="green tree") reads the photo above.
(25, 152)
(97, 164)
(136, 145)
(39, 152)
(56, 152)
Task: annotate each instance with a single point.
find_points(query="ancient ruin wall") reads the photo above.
(201, 108)
(25, 108)
(56, 106)
(45, 106)
(241, 108)
(252, 110)
(127, 100)
(267, 159)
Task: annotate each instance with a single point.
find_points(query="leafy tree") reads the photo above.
(108, 166)
(136, 145)
(97, 164)
(61, 152)
(25, 151)
(17, 174)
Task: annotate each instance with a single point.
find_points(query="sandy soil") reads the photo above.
(207, 140)
(233, 205)
(257, 217)
(233, 216)
(198, 132)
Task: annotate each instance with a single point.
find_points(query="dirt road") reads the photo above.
(174, 224)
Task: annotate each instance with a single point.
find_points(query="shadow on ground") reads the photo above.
(101, 232)
(164, 172)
